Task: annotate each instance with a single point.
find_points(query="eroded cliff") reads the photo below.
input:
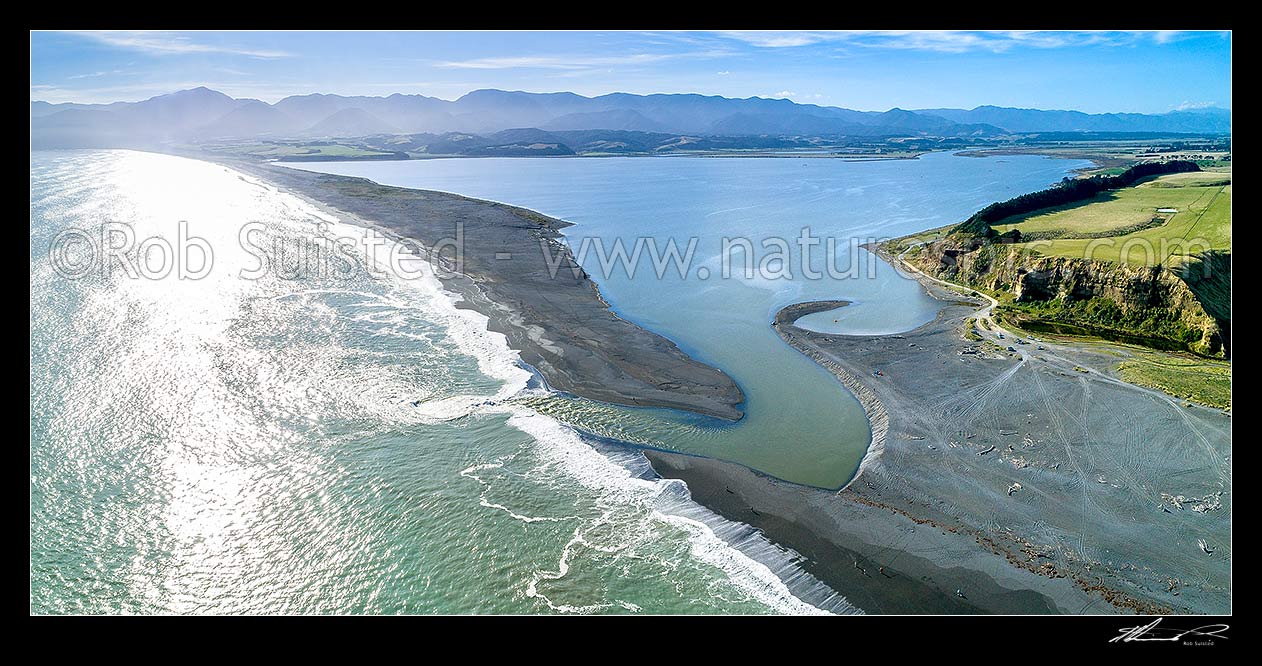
(1153, 305)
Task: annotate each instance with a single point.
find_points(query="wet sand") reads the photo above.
(881, 561)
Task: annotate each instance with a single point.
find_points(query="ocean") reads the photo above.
(305, 442)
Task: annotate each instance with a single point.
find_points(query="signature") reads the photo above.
(1153, 632)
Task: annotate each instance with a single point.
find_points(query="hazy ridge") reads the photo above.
(202, 114)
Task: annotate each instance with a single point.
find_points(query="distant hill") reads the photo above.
(250, 118)
(351, 123)
(532, 141)
(744, 123)
(613, 119)
(163, 118)
(203, 114)
(1203, 121)
(926, 123)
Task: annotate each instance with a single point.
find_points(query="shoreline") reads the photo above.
(875, 157)
(1097, 161)
(881, 560)
(878, 419)
(560, 325)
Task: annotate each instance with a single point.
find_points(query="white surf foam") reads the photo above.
(748, 560)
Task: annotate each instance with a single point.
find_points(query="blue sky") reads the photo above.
(1146, 71)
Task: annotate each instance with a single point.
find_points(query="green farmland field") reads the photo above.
(1197, 218)
(281, 150)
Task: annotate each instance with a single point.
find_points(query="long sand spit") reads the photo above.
(513, 269)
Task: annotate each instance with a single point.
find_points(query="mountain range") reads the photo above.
(1198, 121)
(201, 114)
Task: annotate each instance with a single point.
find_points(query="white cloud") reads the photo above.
(951, 41)
(779, 40)
(231, 71)
(784, 94)
(553, 61)
(94, 75)
(1192, 106)
(576, 61)
(167, 43)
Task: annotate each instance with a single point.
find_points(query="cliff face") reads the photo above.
(1150, 303)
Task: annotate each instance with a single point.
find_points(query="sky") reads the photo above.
(1096, 72)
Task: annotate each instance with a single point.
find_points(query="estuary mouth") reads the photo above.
(726, 322)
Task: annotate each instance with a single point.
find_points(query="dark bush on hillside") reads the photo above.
(1067, 191)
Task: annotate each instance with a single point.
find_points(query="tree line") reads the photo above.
(1066, 191)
